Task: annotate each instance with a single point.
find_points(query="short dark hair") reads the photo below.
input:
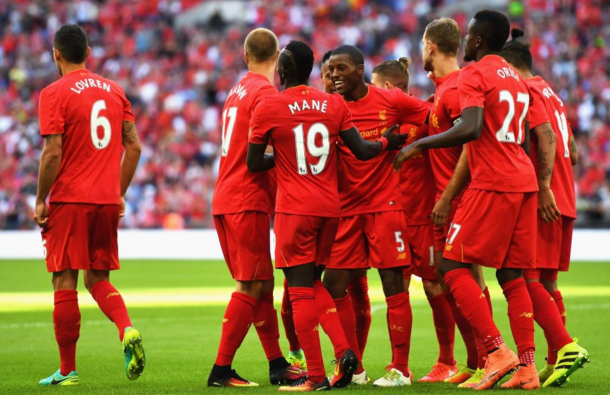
(302, 57)
(354, 53)
(326, 57)
(71, 42)
(261, 45)
(517, 51)
(493, 27)
(446, 34)
(393, 70)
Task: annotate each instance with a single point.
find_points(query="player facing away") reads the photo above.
(86, 122)
(372, 228)
(440, 44)
(418, 193)
(551, 154)
(494, 225)
(304, 127)
(241, 206)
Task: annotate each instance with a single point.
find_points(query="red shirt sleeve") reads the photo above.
(452, 103)
(471, 90)
(537, 114)
(259, 126)
(346, 118)
(410, 109)
(51, 112)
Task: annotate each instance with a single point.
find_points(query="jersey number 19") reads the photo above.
(317, 151)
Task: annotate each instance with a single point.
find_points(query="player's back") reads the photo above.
(238, 189)
(88, 110)
(496, 159)
(303, 125)
(562, 181)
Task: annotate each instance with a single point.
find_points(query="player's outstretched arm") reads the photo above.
(257, 160)
(547, 145)
(573, 151)
(132, 146)
(460, 178)
(49, 167)
(365, 150)
(467, 130)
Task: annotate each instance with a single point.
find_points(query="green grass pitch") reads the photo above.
(178, 307)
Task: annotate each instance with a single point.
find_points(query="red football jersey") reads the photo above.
(562, 181)
(443, 115)
(88, 111)
(416, 181)
(496, 159)
(373, 186)
(238, 189)
(303, 125)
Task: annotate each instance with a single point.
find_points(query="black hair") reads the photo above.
(71, 42)
(493, 27)
(517, 51)
(300, 60)
(354, 53)
(326, 57)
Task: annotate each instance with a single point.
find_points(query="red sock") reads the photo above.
(236, 322)
(358, 290)
(265, 322)
(288, 322)
(329, 319)
(306, 322)
(520, 315)
(552, 354)
(547, 315)
(445, 328)
(112, 304)
(470, 300)
(348, 322)
(488, 300)
(66, 320)
(467, 332)
(401, 322)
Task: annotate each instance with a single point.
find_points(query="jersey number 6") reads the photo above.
(97, 121)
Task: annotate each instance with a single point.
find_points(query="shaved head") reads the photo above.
(261, 45)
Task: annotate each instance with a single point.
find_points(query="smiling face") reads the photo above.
(345, 74)
(472, 42)
(329, 85)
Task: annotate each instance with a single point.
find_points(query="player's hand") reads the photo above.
(395, 140)
(405, 154)
(122, 208)
(41, 214)
(441, 212)
(547, 206)
(431, 98)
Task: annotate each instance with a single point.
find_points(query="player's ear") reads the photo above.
(246, 58)
(360, 69)
(388, 85)
(56, 54)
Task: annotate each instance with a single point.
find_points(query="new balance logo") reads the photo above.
(259, 324)
(113, 294)
(526, 315)
(225, 320)
(332, 310)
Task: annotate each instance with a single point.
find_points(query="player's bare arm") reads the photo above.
(257, 160)
(365, 150)
(49, 167)
(132, 146)
(573, 151)
(547, 144)
(469, 129)
(461, 177)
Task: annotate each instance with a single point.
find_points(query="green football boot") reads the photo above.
(570, 358)
(297, 359)
(58, 379)
(135, 358)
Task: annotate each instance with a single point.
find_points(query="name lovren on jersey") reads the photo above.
(83, 84)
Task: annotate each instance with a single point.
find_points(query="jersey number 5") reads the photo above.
(100, 121)
(504, 135)
(318, 151)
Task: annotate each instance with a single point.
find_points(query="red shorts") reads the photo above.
(421, 242)
(81, 237)
(440, 232)
(554, 244)
(244, 238)
(375, 240)
(494, 229)
(302, 239)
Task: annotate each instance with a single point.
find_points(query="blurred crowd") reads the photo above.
(177, 78)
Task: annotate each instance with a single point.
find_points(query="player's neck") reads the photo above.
(525, 74)
(358, 93)
(446, 66)
(292, 84)
(481, 54)
(67, 68)
(267, 70)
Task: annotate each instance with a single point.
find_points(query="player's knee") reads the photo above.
(432, 288)
(392, 281)
(506, 275)
(250, 288)
(335, 285)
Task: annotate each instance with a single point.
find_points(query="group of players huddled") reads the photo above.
(360, 176)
